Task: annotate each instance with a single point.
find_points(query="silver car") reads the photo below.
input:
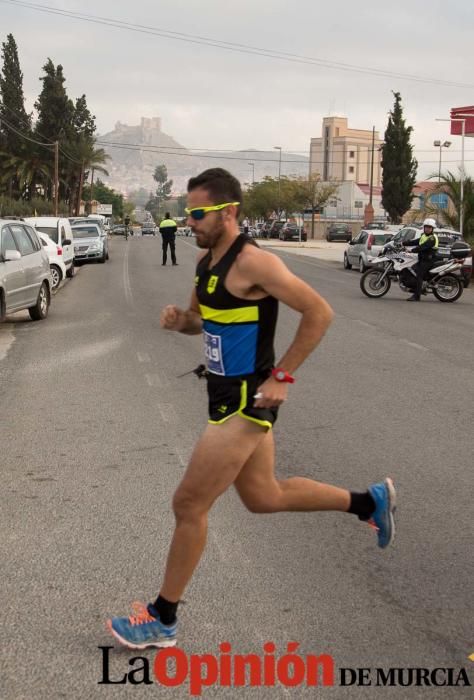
(25, 277)
(368, 244)
(90, 242)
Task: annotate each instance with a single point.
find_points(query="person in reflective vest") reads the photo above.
(168, 228)
(426, 247)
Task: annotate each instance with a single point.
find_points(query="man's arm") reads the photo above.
(187, 321)
(267, 271)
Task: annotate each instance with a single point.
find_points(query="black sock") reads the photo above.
(362, 505)
(166, 610)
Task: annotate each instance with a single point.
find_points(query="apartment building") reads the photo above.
(344, 154)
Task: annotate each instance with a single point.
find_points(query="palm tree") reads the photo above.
(32, 168)
(80, 156)
(450, 185)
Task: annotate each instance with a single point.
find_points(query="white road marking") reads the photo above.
(414, 345)
(153, 379)
(143, 357)
(7, 338)
(167, 413)
(364, 323)
(126, 279)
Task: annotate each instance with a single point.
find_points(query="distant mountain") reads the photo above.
(131, 168)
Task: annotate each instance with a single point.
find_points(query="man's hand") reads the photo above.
(173, 318)
(273, 393)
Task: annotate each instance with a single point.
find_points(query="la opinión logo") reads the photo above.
(172, 668)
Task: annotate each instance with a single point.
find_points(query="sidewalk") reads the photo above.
(330, 252)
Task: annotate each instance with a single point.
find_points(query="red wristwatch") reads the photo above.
(281, 375)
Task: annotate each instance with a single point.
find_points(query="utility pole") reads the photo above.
(79, 194)
(56, 178)
(253, 172)
(92, 187)
(278, 148)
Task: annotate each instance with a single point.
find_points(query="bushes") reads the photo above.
(33, 207)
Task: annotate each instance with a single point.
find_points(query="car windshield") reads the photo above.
(50, 231)
(381, 238)
(85, 232)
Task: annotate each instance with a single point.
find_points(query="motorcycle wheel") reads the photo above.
(448, 289)
(371, 286)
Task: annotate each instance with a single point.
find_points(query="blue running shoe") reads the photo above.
(142, 629)
(382, 519)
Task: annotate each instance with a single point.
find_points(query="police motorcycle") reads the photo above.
(443, 279)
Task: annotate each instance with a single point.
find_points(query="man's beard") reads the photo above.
(211, 239)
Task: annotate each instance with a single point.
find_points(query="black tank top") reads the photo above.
(238, 333)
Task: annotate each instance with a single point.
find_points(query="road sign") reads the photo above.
(105, 209)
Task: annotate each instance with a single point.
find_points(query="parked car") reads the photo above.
(275, 228)
(291, 232)
(55, 257)
(338, 232)
(376, 226)
(446, 239)
(366, 245)
(25, 277)
(118, 230)
(149, 228)
(90, 243)
(59, 231)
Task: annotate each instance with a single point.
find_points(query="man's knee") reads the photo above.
(260, 503)
(187, 505)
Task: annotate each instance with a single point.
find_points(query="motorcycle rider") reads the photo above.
(426, 248)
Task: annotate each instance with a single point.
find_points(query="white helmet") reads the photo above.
(429, 222)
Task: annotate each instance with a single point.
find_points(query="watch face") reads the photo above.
(280, 376)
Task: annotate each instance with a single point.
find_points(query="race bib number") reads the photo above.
(213, 352)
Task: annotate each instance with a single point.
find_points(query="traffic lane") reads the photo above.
(379, 429)
(446, 329)
(121, 553)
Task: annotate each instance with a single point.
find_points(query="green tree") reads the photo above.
(399, 165)
(12, 110)
(162, 194)
(106, 195)
(451, 186)
(27, 170)
(55, 109)
(312, 194)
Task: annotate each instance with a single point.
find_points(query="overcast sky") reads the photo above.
(214, 98)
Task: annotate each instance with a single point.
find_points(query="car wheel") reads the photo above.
(362, 265)
(103, 258)
(40, 310)
(347, 265)
(71, 272)
(56, 275)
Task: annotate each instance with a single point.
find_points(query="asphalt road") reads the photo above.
(95, 433)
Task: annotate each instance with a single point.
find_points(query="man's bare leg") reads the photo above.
(262, 492)
(217, 460)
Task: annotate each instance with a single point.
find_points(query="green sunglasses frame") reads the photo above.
(214, 207)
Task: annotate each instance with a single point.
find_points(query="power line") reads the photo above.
(159, 151)
(4, 122)
(239, 48)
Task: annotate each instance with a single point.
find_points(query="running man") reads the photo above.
(235, 305)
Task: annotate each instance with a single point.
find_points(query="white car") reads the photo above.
(58, 229)
(56, 259)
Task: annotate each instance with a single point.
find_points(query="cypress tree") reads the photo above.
(55, 109)
(399, 165)
(12, 106)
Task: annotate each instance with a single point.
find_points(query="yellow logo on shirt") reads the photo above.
(212, 284)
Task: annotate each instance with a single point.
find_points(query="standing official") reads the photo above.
(168, 228)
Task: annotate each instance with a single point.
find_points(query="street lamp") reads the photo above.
(440, 145)
(253, 172)
(461, 119)
(278, 148)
